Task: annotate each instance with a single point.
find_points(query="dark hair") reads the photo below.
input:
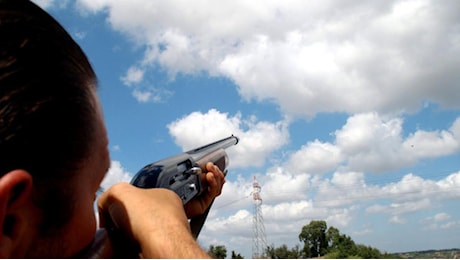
(46, 109)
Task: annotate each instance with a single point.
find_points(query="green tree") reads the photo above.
(313, 236)
(236, 256)
(282, 252)
(295, 252)
(367, 252)
(329, 242)
(218, 252)
(342, 246)
(270, 252)
(332, 237)
(345, 247)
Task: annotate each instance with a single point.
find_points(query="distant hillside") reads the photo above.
(453, 253)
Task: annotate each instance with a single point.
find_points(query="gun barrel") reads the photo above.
(200, 152)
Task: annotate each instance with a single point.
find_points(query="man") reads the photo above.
(53, 154)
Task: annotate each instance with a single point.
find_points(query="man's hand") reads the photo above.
(212, 182)
(153, 218)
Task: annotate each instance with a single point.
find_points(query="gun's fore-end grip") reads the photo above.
(218, 157)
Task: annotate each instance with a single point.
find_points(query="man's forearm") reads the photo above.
(178, 242)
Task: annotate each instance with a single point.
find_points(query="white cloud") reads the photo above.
(455, 129)
(142, 89)
(397, 220)
(80, 35)
(151, 94)
(349, 179)
(235, 195)
(449, 185)
(257, 139)
(397, 208)
(362, 232)
(339, 217)
(115, 148)
(372, 143)
(133, 75)
(439, 221)
(344, 188)
(369, 142)
(363, 131)
(425, 144)
(305, 56)
(441, 217)
(115, 174)
(142, 96)
(281, 185)
(238, 226)
(409, 187)
(294, 211)
(316, 157)
(241, 220)
(451, 225)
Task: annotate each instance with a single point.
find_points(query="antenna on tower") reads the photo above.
(259, 242)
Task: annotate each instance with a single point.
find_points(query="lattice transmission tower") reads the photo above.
(259, 241)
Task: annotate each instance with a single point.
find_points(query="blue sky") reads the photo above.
(347, 111)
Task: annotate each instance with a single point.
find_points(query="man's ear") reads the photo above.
(15, 191)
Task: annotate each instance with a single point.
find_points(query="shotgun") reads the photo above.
(180, 173)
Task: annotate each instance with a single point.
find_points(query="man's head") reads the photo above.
(52, 139)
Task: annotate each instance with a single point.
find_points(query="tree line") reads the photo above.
(318, 241)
